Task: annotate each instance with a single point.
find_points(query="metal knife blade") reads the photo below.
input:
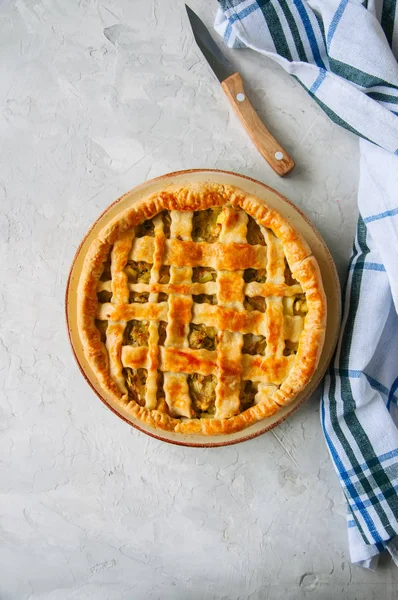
(212, 53)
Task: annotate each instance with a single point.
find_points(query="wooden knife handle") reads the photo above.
(265, 142)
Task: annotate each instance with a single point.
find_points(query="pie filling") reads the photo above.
(247, 395)
(206, 225)
(138, 272)
(202, 390)
(136, 333)
(135, 380)
(199, 327)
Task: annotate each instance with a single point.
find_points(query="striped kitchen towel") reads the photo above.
(344, 53)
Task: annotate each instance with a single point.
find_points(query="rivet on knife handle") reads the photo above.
(265, 142)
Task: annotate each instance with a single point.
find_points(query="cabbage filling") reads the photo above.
(202, 336)
(137, 297)
(104, 296)
(106, 273)
(136, 333)
(288, 276)
(202, 390)
(162, 332)
(136, 384)
(254, 233)
(102, 327)
(254, 303)
(203, 274)
(290, 348)
(206, 225)
(300, 307)
(166, 218)
(161, 404)
(205, 299)
(138, 272)
(254, 344)
(247, 394)
(145, 228)
(164, 274)
(258, 275)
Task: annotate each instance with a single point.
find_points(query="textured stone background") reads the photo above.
(97, 96)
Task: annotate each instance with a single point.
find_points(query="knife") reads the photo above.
(232, 84)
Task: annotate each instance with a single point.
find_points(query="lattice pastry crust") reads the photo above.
(201, 310)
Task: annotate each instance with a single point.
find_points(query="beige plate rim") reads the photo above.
(332, 289)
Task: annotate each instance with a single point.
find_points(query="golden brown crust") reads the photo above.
(226, 316)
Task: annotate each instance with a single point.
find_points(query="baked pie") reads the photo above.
(201, 310)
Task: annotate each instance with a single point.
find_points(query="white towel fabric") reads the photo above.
(344, 53)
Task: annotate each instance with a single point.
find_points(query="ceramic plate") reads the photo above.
(273, 199)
